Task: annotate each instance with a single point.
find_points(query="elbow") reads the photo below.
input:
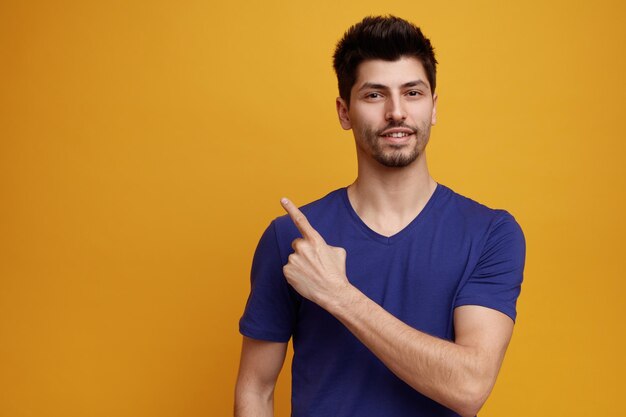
(469, 409)
(472, 397)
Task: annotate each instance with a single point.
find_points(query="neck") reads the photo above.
(388, 199)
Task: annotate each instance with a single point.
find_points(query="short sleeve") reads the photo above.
(497, 278)
(271, 308)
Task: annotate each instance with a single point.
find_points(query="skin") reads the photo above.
(392, 187)
(260, 365)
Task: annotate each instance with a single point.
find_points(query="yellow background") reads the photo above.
(144, 146)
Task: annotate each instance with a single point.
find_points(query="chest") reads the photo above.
(416, 280)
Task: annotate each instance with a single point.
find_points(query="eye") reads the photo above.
(415, 93)
(373, 95)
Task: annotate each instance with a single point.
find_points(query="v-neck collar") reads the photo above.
(390, 240)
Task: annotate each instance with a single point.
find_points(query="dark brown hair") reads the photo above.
(381, 37)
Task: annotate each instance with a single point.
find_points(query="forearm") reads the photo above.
(453, 375)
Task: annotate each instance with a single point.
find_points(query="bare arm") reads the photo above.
(459, 374)
(260, 364)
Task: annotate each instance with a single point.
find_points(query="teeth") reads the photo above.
(397, 135)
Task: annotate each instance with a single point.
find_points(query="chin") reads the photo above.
(397, 160)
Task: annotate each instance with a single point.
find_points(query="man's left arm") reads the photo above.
(458, 375)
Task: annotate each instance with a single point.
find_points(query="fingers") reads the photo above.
(299, 219)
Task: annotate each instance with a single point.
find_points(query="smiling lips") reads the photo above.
(397, 134)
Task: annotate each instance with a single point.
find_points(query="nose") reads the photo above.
(395, 109)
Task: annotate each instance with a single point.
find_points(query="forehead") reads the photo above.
(390, 73)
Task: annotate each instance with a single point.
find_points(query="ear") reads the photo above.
(342, 112)
(433, 118)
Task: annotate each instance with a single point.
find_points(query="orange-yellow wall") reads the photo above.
(144, 146)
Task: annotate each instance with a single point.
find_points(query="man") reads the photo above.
(399, 293)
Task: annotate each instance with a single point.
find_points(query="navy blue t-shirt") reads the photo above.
(455, 252)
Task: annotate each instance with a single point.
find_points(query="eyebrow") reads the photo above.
(376, 86)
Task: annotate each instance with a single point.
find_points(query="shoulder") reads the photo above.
(472, 214)
(498, 233)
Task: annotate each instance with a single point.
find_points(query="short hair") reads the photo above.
(381, 37)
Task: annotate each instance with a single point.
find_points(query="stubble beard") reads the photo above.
(392, 155)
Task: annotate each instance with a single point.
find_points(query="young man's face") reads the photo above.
(391, 110)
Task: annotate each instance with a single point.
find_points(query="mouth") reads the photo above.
(397, 135)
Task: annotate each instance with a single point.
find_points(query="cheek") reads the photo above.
(367, 114)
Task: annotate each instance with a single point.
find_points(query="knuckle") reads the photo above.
(286, 271)
(341, 252)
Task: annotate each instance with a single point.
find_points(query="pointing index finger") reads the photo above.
(300, 220)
